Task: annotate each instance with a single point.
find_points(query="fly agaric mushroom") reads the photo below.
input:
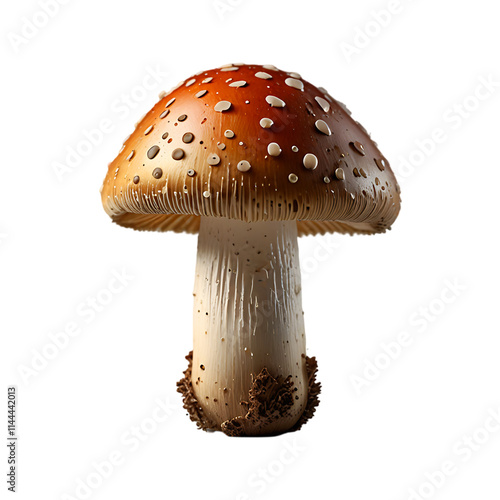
(250, 157)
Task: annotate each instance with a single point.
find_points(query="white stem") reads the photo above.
(247, 315)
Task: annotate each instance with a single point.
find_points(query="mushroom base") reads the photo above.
(269, 399)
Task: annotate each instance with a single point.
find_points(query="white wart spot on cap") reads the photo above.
(222, 106)
(169, 103)
(295, 149)
(274, 149)
(164, 114)
(221, 146)
(206, 194)
(293, 178)
(294, 75)
(207, 80)
(148, 130)
(201, 93)
(275, 102)
(229, 134)
(244, 166)
(239, 83)
(323, 127)
(326, 180)
(213, 160)
(271, 67)
(263, 75)
(190, 82)
(358, 147)
(296, 84)
(266, 123)
(162, 94)
(380, 162)
(325, 105)
(231, 68)
(131, 155)
(339, 174)
(310, 161)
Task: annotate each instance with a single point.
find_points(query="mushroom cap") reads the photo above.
(253, 143)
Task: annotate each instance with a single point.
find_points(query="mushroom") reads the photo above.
(250, 157)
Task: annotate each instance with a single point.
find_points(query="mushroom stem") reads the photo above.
(249, 371)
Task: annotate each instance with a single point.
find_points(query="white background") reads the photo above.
(422, 68)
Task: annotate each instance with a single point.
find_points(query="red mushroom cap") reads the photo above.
(253, 143)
